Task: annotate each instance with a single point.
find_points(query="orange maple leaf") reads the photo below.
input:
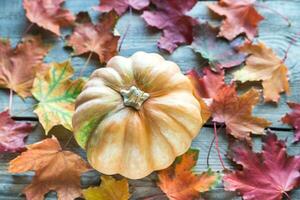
(241, 17)
(264, 65)
(19, 66)
(48, 14)
(235, 111)
(54, 168)
(179, 182)
(99, 39)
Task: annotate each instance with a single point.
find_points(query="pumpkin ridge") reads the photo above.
(178, 124)
(148, 131)
(123, 170)
(112, 111)
(97, 166)
(149, 119)
(162, 108)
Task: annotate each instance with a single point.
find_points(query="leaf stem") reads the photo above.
(275, 11)
(217, 145)
(11, 93)
(27, 29)
(287, 195)
(209, 150)
(210, 147)
(68, 142)
(85, 64)
(294, 40)
(126, 30)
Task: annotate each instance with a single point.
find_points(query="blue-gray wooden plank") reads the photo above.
(273, 31)
(11, 185)
(13, 23)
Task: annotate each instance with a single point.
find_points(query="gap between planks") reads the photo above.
(206, 125)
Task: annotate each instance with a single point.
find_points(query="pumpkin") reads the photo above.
(136, 115)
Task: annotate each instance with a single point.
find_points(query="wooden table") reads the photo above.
(273, 31)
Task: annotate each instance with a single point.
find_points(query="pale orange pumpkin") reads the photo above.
(136, 115)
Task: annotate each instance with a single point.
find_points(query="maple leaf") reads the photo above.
(179, 182)
(56, 94)
(293, 119)
(18, 66)
(208, 84)
(120, 6)
(98, 39)
(263, 65)
(219, 52)
(235, 111)
(241, 17)
(171, 17)
(110, 189)
(266, 175)
(54, 168)
(48, 14)
(12, 134)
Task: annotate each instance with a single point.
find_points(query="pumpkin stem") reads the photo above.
(134, 97)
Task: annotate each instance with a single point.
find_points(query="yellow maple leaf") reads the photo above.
(110, 189)
(56, 94)
(264, 65)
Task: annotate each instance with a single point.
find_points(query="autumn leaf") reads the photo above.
(170, 16)
(264, 65)
(217, 51)
(12, 134)
(179, 182)
(235, 111)
(56, 94)
(18, 66)
(48, 14)
(120, 6)
(241, 17)
(208, 84)
(54, 168)
(98, 39)
(293, 119)
(110, 189)
(267, 175)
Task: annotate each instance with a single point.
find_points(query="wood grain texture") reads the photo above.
(273, 31)
(11, 185)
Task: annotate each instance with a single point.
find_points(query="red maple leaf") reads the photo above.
(241, 17)
(293, 119)
(95, 38)
(12, 134)
(207, 85)
(170, 16)
(120, 6)
(48, 14)
(266, 175)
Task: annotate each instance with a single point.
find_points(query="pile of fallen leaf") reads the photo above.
(267, 175)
